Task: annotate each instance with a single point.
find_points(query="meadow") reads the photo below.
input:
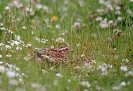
(100, 33)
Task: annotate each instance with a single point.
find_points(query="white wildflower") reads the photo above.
(2, 28)
(60, 40)
(131, 0)
(17, 37)
(82, 55)
(7, 8)
(124, 68)
(2, 69)
(18, 48)
(29, 44)
(24, 27)
(11, 74)
(103, 24)
(0, 56)
(123, 83)
(119, 18)
(10, 31)
(85, 84)
(59, 75)
(76, 25)
(1, 62)
(8, 55)
(116, 88)
(26, 58)
(8, 47)
(99, 19)
(38, 6)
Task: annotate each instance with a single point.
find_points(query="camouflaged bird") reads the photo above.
(52, 54)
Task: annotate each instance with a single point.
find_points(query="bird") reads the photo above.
(52, 54)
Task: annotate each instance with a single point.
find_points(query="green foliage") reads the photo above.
(75, 23)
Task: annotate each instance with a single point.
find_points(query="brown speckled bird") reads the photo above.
(52, 54)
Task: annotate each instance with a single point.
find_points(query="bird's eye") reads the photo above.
(66, 48)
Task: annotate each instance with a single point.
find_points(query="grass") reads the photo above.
(22, 32)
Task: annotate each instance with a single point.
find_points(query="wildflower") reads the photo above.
(59, 75)
(103, 24)
(78, 45)
(118, 8)
(2, 28)
(98, 87)
(10, 31)
(54, 18)
(11, 74)
(123, 83)
(1, 44)
(57, 26)
(8, 47)
(130, 73)
(124, 68)
(0, 56)
(119, 18)
(24, 27)
(29, 44)
(93, 61)
(60, 40)
(125, 60)
(52, 68)
(17, 37)
(38, 6)
(117, 12)
(82, 55)
(26, 58)
(99, 19)
(2, 69)
(116, 88)
(29, 10)
(7, 8)
(44, 41)
(85, 84)
(100, 10)
(44, 71)
(76, 25)
(1, 62)
(69, 80)
(8, 55)
(16, 42)
(1, 24)
(18, 48)
(131, 0)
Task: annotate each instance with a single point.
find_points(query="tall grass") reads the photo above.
(110, 48)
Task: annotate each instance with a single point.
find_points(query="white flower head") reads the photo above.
(103, 24)
(18, 48)
(2, 69)
(85, 84)
(59, 75)
(10, 31)
(0, 56)
(11, 74)
(8, 55)
(7, 8)
(123, 83)
(82, 55)
(124, 68)
(8, 47)
(60, 40)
